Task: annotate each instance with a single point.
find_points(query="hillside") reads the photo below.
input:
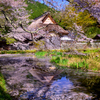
(36, 9)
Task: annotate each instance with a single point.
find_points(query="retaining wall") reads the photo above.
(79, 45)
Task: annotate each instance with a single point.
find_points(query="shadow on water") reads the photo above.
(92, 83)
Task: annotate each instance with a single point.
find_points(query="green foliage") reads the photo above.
(59, 60)
(7, 40)
(95, 69)
(2, 82)
(80, 65)
(55, 59)
(72, 17)
(10, 40)
(3, 90)
(88, 23)
(85, 19)
(52, 53)
(92, 31)
(40, 54)
(36, 9)
(91, 50)
(69, 18)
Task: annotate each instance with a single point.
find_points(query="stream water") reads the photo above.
(29, 78)
(69, 85)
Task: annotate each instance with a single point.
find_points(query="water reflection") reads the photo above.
(63, 84)
(34, 79)
(59, 86)
(92, 83)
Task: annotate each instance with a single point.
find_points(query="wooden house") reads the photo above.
(51, 27)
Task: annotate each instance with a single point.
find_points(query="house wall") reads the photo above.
(48, 21)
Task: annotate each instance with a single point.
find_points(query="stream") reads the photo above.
(29, 78)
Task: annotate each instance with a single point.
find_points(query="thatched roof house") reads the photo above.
(48, 21)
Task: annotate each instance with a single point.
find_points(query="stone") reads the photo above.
(53, 42)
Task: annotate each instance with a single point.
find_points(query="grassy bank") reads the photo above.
(3, 91)
(89, 62)
(58, 57)
(16, 51)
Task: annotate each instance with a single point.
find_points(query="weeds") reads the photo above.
(40, 54)
(59, 60)
(80, 65)
(91, 61)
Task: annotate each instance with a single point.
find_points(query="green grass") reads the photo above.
(17, 51)
(59, 60)
(80, 65)
(91, 50)
(90, 62)
(40, 54)
(3, 91)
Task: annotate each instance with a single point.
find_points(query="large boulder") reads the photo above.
(20, 46)
(53, 42)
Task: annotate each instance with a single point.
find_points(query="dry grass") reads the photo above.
(93, 60)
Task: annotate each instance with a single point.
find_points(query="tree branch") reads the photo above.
(20, 24)
(8, 19)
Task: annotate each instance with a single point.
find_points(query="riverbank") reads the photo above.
(62, 58)
(3, 89)
(16, 71)
(88, 62)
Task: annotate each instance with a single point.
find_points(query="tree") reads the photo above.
(4, 26)
(89, 23)
(80, 21)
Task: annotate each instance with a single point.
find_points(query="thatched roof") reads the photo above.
(39, 22)
(56, 28)
(53, 28)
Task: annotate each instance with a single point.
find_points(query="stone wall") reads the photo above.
(79, 45)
